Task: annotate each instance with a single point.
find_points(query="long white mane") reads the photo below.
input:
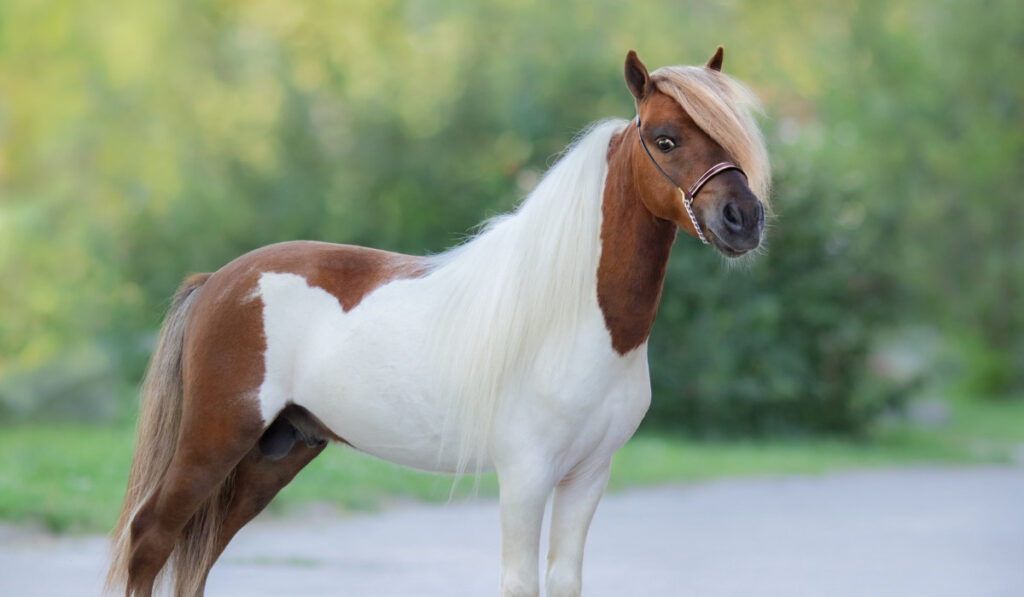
(517, 287)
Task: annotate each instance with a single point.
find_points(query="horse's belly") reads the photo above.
(384, 411)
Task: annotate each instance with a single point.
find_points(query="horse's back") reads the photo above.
(347, 272)
(228, 339)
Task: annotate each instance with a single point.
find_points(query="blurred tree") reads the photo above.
(143, 141)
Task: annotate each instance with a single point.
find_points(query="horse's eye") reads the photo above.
(665, 144)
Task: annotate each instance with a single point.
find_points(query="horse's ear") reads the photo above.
(636, 76)
(715, 63)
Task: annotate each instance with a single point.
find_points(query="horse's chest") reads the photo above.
(584, 412)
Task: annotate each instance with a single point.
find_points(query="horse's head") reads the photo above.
(699, 151)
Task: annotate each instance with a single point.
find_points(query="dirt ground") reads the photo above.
(936, 532)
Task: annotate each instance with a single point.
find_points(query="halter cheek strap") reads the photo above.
(689, 194)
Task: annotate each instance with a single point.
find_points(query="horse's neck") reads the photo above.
(635, 247)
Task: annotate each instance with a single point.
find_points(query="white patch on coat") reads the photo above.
(499, 353)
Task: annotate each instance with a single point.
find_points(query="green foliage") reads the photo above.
(778, 346)
(895, 186)
(72, 478)
(143, 141)
(67, 477)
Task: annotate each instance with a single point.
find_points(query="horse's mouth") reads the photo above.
(725, 248)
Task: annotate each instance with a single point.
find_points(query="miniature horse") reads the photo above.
(522, 351)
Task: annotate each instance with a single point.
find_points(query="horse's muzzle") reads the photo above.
(737, 225)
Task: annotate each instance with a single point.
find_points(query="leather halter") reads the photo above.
(691, 193)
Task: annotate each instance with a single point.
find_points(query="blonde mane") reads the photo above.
(724, 108)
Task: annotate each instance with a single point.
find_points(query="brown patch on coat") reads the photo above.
(347, 272)
(255, 481)
(642, 210)
(222, 369)
(224, 343)
(222, 362)
(196, 505)
(635, 246)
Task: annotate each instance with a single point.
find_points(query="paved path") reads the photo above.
(931, 532)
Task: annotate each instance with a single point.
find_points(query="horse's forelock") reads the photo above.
(724, 108)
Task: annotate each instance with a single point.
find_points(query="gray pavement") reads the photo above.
(922, 532)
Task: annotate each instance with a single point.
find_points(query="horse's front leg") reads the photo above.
(523, 497)
(576, 499)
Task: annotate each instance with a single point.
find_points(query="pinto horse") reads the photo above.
(522, 351)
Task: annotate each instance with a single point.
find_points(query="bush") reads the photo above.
(400, 125)
(779, 344)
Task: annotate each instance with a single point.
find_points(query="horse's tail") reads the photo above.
(157, 430)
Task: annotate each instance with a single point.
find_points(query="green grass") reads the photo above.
(68, 478)
(71, 478)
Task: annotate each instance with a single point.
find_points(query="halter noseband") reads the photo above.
(691, 193)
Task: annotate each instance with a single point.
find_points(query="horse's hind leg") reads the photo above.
(257, 479)
(210, 444)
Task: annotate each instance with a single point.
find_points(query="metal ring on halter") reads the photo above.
(690, 194)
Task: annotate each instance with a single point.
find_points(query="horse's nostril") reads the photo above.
(733, 217)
